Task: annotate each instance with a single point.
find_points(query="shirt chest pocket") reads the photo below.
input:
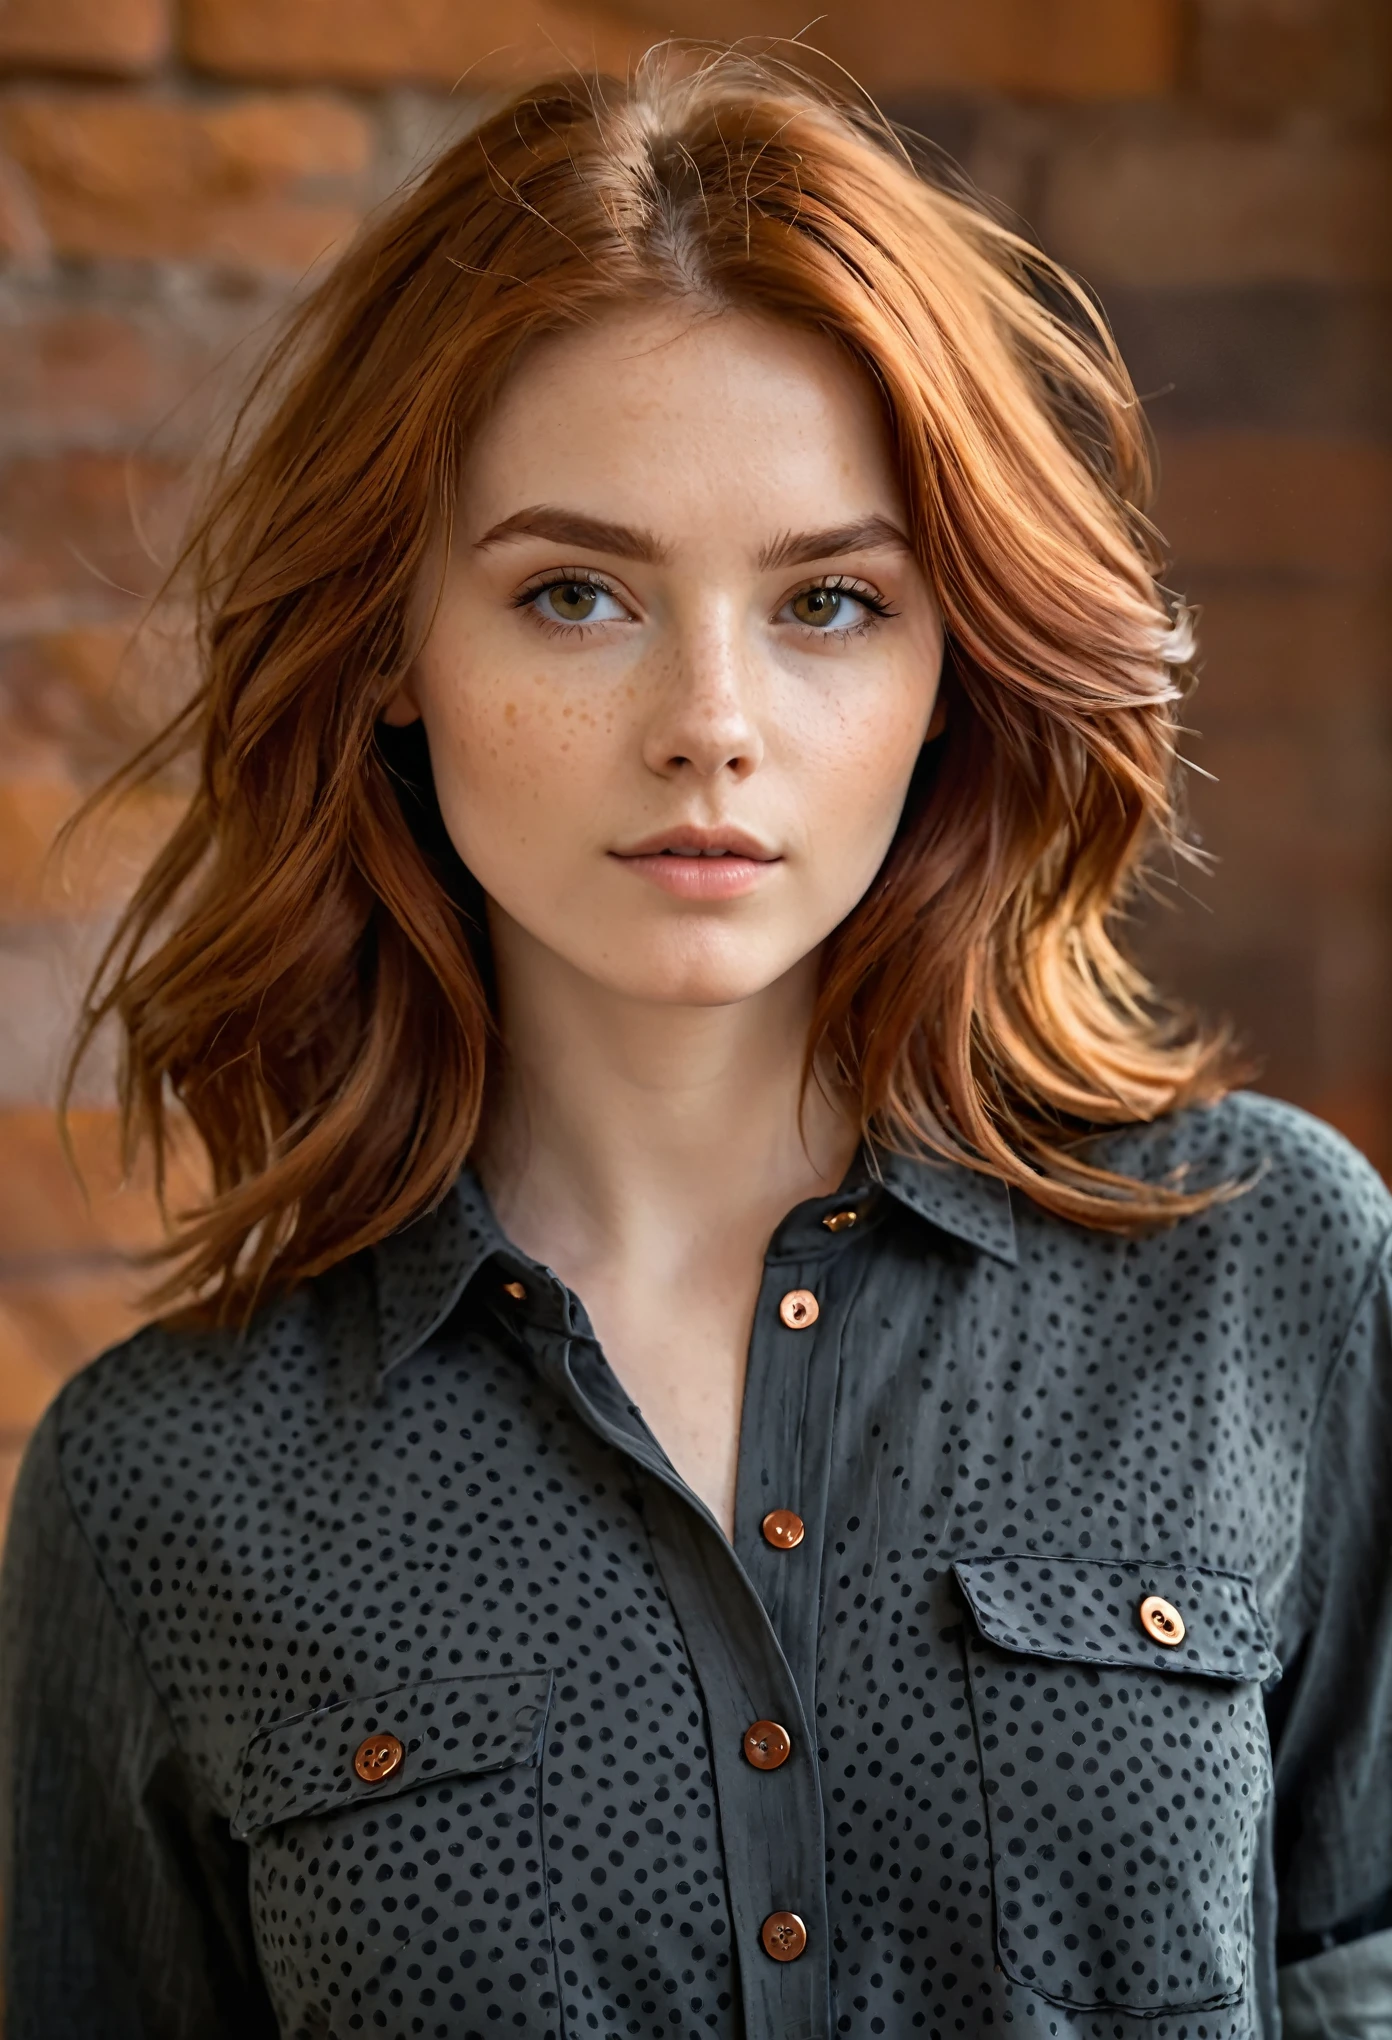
(400, 1835)
(1125, 1766)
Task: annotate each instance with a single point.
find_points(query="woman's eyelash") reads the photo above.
(560, 578)
(845, 584)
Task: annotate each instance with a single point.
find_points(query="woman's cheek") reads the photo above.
(498, 746)
(866, 759)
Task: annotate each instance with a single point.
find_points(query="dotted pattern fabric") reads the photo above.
(445, 1726)
(436, 1901)
(405, 1501)
(1122, 1814)
(1089, 1610)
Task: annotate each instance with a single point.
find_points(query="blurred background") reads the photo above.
(1218, 170)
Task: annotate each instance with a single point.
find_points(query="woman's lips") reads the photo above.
(700, 875)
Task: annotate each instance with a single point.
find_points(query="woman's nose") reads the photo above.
(704, 718)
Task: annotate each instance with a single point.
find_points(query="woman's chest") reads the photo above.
(485, 1686)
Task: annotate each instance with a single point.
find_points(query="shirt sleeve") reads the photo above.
(124, 1895)
(1331, 1717)
(1343, 1994)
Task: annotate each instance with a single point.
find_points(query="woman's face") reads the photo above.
(683, 659)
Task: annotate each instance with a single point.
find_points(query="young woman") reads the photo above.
(747, 1441)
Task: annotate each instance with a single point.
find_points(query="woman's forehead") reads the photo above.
(658, 421)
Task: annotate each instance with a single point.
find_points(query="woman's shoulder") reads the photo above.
(1289, 1157)
(1294, 1192)
(196, 1391)
(1248, 1137)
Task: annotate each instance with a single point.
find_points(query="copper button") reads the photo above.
(840, 1221)
(784, 1936)
(767, 1744)
(799, 1309)
(1161, 1622)
(377, 1758)
(783, 1530)
(515, 1290)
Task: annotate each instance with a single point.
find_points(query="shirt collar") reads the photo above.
(423, 1271)
(961, 1201)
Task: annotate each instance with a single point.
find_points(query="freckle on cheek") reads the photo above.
(509, 711)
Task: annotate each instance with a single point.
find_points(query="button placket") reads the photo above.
(739, 1642)
(789, 1408)
(736, 1654)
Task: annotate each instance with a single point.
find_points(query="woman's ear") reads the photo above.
(403, 708)
(937, 722)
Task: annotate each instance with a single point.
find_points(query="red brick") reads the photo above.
(1186, 208)
(125, 37)
(440, 42)
(23, 242)
(80, 527)
(85, 662)
(1277, 502)
(1067, 49)
(46, 1211)
(146, 179)
(1269, 56)
(1291, 811)
(1074, 48)
(50, 1328)
(11, 1452)
(79, 374)
(96, 871)
(42, 708)
(43, 967)
(1363, 1114)
(97, 377)
(28, 754)
(1306, 658)
(77, 702)
(27, 1382)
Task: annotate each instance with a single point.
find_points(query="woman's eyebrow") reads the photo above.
(869, 534)
(571, 527)
(596, 534)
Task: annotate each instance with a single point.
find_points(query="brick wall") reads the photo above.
(1217, 168)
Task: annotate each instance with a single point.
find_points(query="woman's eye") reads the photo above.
(830, 609)
(576, 602)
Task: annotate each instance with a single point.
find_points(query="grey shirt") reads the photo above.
(373, 1671)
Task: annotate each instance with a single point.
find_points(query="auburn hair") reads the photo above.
(303, 972)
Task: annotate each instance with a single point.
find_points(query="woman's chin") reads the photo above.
(718, 975)
(678, 989)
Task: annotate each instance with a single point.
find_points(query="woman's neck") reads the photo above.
(631, 1133)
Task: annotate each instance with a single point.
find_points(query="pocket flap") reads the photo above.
(1087, 1611)
(447, 1727)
